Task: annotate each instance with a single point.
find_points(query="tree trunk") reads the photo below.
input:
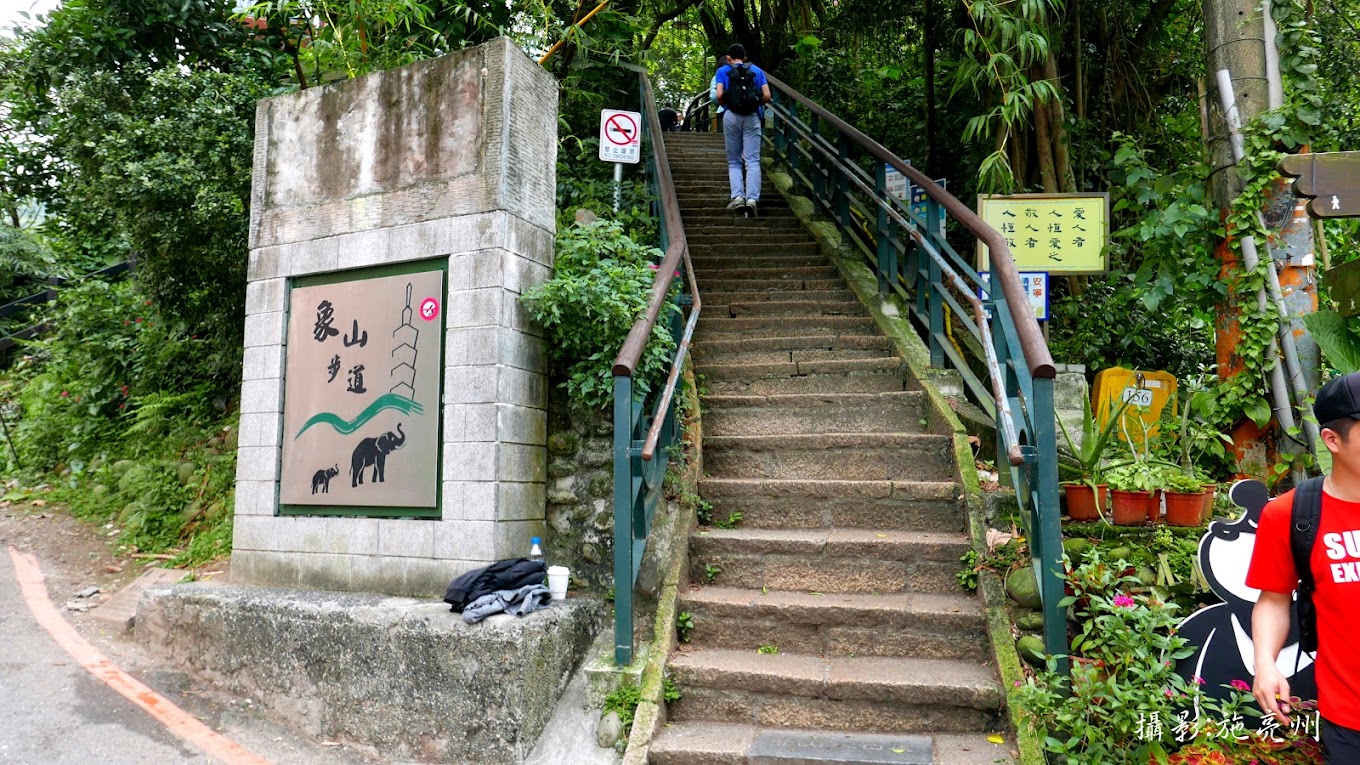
(929, 32)
(1062, 164)
(1078, 57)
(1043, 146)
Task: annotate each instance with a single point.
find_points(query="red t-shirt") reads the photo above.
(1336, 570)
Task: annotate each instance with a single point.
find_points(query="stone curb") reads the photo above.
(651, 712)
(917, 356)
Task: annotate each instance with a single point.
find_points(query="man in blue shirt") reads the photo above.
(743, 90)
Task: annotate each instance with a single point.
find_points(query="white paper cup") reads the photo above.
(557, 581)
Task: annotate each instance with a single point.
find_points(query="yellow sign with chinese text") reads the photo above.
(1058, 233)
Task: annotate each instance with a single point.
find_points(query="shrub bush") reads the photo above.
(601, 286)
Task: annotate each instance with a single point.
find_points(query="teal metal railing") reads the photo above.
(643, 429)
(847, 175)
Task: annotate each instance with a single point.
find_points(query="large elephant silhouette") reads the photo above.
(374, 451)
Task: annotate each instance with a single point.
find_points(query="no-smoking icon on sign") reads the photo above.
(620, 136)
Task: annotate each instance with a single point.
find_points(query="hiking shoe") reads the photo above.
(737, 203)
(750, 210)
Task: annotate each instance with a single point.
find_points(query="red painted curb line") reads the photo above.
(179, 722)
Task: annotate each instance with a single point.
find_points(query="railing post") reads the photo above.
(818, 172)
(779, 126)
(887, 255)
(1049, 536)
(843, 183)
(791, 138)
(936, 235)
(623, 521)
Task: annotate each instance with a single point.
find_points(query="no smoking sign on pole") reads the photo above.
(620, 136)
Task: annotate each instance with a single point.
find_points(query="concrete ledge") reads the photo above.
(325, 661)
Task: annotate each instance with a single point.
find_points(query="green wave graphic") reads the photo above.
(386, 401)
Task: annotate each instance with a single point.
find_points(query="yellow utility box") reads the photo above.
(1148, 393)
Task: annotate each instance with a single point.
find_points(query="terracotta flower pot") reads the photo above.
(1081, 501)
(1184, 509)
(1210, 490)
(1155, 507)
(1130, 508)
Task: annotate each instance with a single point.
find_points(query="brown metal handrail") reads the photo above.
(1032, 343)
(677, 251)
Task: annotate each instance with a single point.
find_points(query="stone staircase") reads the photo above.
(850, 530)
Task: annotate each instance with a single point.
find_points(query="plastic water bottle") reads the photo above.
(535, 552)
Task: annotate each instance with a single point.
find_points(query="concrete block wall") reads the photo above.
(446, 160)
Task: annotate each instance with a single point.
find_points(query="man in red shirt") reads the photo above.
(1335, 564)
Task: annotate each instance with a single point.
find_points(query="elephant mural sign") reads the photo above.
(361, 394)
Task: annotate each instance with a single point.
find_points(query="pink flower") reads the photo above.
(1241, 685)
(1168, 693)
(654, 266)
(1197, 679)
(64, 394)
(1123, 601)
(1018, 683)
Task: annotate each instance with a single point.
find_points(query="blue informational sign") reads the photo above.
(898, 186)
(920, 200)
(1036, 289)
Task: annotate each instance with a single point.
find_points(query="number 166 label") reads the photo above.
(1138, 397)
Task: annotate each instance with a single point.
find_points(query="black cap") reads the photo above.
(1339, 398)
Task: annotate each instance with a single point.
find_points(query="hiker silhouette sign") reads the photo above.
(361, 393)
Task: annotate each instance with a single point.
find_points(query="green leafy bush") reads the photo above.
(111, 363)
(601, 286)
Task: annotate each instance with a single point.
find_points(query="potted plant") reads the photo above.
(1088, 497)
(1135, 492)
(1184, 499)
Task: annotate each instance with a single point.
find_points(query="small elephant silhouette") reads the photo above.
(321, 479)
(374, 451)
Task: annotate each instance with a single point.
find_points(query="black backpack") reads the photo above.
(741, 95)
(1304, 519)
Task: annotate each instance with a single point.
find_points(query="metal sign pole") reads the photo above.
(618, 186)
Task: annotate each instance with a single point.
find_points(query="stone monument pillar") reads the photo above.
(393, 409)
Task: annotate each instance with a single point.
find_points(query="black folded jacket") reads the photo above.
(501, 575)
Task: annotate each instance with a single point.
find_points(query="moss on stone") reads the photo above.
(602, 486)
(562, 444)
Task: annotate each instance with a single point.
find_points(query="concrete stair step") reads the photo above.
(848, 376)
(863, 694)
(780, 357)
(756, 254)
(716, 347)
(717, 202)
(832, 456)
(740, 228)
(747, 234)
(778, 285)
(774, 221)
(820, 270)
(829, 560)
(712, 327)
(785, 308)
(868, 380)
(899, 412)
(709, 199)
(728, 295)
(921, 625)
(741, 372)
(818, 504)
(720, 743)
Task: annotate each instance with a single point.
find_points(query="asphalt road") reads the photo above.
(53, 712)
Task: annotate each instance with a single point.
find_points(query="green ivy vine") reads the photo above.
(1267, 139)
